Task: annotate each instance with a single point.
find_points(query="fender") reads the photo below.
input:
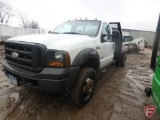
(85, 55)
(81, 58)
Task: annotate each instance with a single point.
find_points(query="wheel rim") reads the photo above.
(88, 89)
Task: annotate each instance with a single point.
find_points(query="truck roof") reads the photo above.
(91, 20)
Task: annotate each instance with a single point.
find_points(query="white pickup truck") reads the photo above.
(67, 60)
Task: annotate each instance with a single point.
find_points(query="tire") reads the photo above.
(135, 49)
(117, 63)
(130, 50)
(123, 60)
(84, 87)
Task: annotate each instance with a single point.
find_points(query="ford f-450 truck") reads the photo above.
(67, 60)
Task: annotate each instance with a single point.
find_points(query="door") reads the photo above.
(155, 66)
(156, 49)
(107, 46)
(156, 86)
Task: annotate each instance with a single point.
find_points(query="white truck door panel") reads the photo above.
(106, 50)
(108, 53)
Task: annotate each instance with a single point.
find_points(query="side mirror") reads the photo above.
(49, 31)
(104, 36)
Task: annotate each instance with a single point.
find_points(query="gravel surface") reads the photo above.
(119, 95)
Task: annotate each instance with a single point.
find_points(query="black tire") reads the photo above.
(123, 59)
(117, 63)
(128, 52)
(131, 51)
(84, 87)
(135, 49)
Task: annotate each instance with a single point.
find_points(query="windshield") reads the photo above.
(88, 27)
(128, 38)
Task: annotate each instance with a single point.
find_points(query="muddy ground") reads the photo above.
(119, 95)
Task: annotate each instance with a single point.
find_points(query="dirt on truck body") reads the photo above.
(119, 95)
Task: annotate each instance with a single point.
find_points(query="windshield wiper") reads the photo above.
(71, 33)
(53, 32)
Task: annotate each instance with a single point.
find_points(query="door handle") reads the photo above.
(113, 46)
(98, 47)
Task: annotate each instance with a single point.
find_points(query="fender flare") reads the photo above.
(84, 55)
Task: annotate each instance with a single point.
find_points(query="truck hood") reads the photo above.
(56, 41)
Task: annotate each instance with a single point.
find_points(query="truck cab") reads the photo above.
(67, 60)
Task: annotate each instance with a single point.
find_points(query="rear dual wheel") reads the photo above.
(84, 87)
(122, 61)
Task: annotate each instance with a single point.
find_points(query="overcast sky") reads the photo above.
(133, 14)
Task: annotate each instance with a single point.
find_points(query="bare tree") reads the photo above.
(24, 19)
(33, 25)
(6, 12)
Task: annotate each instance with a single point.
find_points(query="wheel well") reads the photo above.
(93, 63)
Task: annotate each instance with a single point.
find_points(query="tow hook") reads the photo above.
(148, 91)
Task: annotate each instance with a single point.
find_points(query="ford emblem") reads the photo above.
(14, 55)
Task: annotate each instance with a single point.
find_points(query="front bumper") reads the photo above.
(57, 80)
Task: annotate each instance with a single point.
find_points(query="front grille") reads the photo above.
(30, 56)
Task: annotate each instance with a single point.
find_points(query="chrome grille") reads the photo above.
(30, 56)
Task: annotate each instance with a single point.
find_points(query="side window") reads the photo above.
(106, 31)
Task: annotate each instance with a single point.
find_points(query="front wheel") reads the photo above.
(84, 87)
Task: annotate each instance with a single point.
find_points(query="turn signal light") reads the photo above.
(55, 64)
(67, 60)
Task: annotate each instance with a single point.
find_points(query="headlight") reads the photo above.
(57, 58)
(58, 55)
